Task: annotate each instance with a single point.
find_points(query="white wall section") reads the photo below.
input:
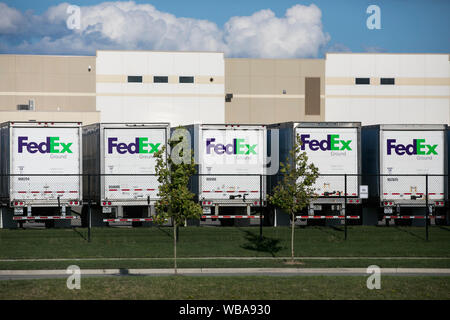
(174, 102)
(421, 93)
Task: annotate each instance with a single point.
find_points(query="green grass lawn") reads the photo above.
(221, 263)
(220, 241)
(230, 288)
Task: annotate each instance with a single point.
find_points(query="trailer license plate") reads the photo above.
(207, 210)
(388, 210)
(18, 211)
(318, 207)
(107, 210)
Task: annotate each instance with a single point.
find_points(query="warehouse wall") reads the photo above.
(56, 84)
(274, 90)
(171, 101)
(258, 90)
(420, 93)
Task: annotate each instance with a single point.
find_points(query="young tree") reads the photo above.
(174, 171)
(295, 190)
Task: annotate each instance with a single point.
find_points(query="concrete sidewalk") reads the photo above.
(16, 274)
(223, 258)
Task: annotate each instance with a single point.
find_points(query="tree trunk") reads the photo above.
(292, 235)
(175, 246)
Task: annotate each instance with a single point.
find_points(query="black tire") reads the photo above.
(49, 224)
(84, 217)
(226, 222)
(316, 222)
(354, 222)
(403, 222)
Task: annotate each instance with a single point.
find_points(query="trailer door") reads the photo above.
(334, 151)
(128, 153)
(412, 152)
(51, 153)
(238, 155)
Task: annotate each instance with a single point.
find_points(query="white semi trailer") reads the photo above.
(119, 170)
(231, 165)
(397, 160)
(41, 171)
(334, 148)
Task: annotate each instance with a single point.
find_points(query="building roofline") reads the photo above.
(159, 51)
(46, 55)
(276, 59)
(392, 53)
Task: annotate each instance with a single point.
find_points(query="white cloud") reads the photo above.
(10, 20)
(127, 25)
(298, 34)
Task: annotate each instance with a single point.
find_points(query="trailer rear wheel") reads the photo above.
(316, 222)
(226, 222)
(49, 224)
(403, 222)
(136, 224)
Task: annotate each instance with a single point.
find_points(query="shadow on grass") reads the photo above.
(327, 230)
(80, 234)
(444, 228)
(264, 244)
(167, 233)
(409, 232)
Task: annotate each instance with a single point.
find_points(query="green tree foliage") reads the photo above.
(176, 201)
(295, 189)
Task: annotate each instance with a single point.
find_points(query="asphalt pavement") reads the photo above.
(49, 274)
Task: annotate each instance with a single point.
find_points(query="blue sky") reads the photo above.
(406, 26)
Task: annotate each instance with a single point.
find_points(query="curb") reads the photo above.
(249, 271)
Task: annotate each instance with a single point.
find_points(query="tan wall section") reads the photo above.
(49, 80)
(269, 110)
(271, 90)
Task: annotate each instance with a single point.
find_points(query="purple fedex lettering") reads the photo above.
(140, 145)
(50, 145)
(417, 147)
(390, 145)
(401, 149)
(121, 148)
(33, 147)
(209, 145)
(332, 143)
(237, 147)
(22, 143)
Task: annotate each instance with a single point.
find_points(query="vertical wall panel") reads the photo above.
(312, 96)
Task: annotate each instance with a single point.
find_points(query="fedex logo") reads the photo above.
(237, 147)
(140, 145)
(50, 145)
(418, 146)
(332, 142)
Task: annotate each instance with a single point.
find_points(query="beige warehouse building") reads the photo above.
(48, 88)
(371, 88)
